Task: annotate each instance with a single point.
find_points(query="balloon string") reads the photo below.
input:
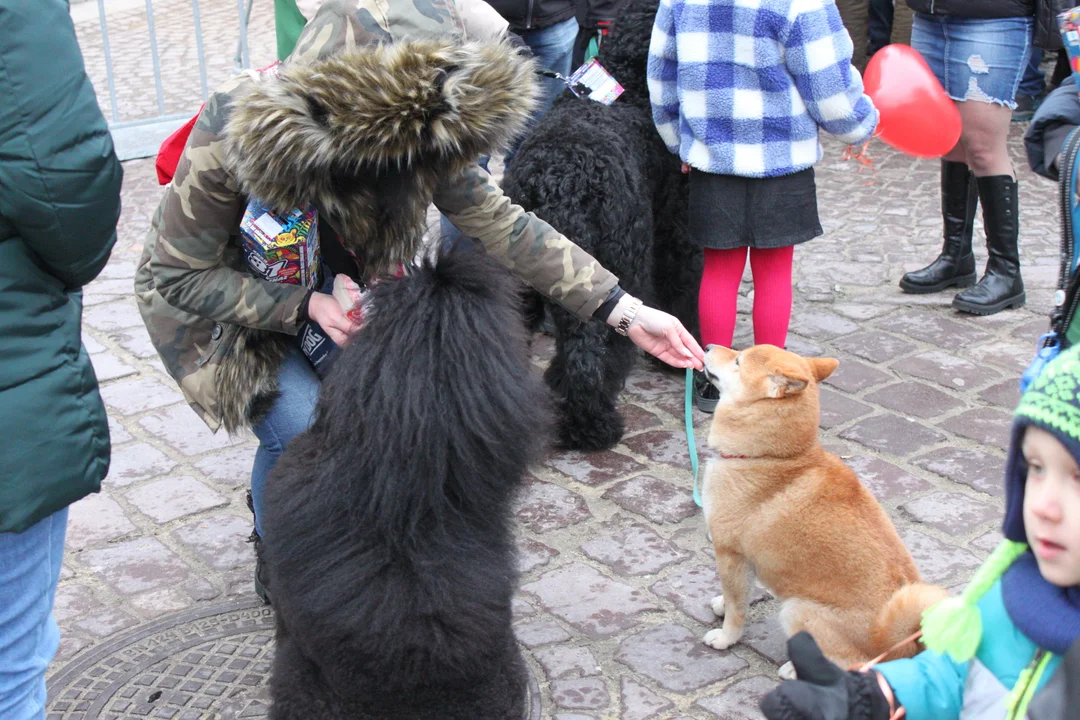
(860, 155)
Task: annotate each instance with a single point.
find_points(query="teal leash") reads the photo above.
(690, 442)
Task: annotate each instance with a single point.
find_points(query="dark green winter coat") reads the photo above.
(59, 202)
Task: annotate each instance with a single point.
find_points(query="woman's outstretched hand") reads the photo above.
(660, 335)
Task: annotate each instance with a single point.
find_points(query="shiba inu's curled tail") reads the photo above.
(901, 617)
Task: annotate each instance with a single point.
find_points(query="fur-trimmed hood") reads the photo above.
(366, 135)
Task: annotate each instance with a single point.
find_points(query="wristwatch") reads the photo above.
(628, 316)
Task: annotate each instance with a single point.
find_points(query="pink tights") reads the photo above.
(717, 301)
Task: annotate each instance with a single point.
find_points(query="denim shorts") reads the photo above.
(975, 58)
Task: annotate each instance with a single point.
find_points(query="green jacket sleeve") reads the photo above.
(194, 260)
(59, 177)
(528, 246)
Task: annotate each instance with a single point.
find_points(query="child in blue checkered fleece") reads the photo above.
(739, 91)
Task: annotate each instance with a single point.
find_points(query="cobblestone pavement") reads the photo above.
(616, 569)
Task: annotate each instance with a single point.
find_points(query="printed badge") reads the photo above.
(599, 83)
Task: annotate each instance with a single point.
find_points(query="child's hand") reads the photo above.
(685, 169)
(824, 691)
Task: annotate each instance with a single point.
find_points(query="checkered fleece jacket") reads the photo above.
(740, 87)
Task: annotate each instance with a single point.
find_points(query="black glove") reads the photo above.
(823, 691)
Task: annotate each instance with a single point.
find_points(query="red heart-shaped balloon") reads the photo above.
(916, 116)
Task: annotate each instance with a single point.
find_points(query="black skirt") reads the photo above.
(727, 211)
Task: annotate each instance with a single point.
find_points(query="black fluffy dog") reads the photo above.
(392, 556)
(602, 176)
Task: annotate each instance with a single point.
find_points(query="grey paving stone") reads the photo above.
(95, 520)
(986, 425)
(661, 446)
(136, 341)
(934, 328)
(562, 662)
(544, 506)
(73, 601)
(739, 701)
(108, 366)
(1010, 355)
(594, 604)
(1005, 394)
(117, 432)
(636, 550)
(691, 588)
(837, 409)
(768, 639)
(676, 659)
(937, 561)
(638, 418)
(535, 634)
(911, 397)
(952, 513)
(135, 566)
(975, 468)
(639, 702)
(230, 467)
(105, 622)
(219, 540)
(874, 345)
(595, 468)
(854, 375)
(653, 499)
(892, 434)
(91, 344)
(139, 394)
(181, 429)
(580, 694)
(174, 497)
(988, 541)
(135, 462)
(117, 315)
(945, 369)
(885, 480)
(533, 554)
(822, 324)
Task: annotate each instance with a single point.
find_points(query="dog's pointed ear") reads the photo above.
(786, 381)
(823, 367)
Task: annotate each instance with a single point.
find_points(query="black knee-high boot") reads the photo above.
(1001, 286)
(955, 266)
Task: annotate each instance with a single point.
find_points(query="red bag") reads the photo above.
(168, 156)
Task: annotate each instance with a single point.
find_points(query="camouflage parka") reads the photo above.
(376, 95)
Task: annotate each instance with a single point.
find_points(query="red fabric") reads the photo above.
(168, 156)
(719, 294)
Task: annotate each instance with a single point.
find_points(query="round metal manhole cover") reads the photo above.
(212, 663)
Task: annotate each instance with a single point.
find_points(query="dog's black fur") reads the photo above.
(602, 176)
(391, 553)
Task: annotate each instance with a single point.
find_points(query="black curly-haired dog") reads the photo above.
(391, 555)
(602, 176)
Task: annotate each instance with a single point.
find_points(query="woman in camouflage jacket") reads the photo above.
(328, 129)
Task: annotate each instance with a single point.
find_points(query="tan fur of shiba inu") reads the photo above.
(781, 508)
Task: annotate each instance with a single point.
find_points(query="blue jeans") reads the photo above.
(29, 571)
(1033, 82)
(291, 414)
(554, 49)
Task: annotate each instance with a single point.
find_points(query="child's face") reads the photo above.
(1052, 507)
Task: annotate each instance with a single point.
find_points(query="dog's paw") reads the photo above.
(721, 638)
(786, 671)
(717, 605)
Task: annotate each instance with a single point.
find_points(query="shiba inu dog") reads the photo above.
(781, 508)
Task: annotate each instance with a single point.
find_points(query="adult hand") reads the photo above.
(660, 334)
(327, 312)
